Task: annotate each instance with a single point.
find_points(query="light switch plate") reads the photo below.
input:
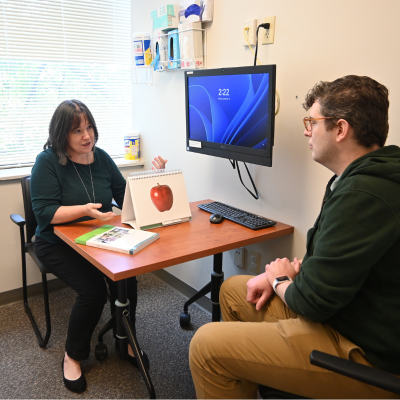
(238, 257)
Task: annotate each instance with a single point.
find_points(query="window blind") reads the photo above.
(53, 50)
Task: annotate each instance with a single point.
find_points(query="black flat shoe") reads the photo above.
(132, 360)
(78, 385)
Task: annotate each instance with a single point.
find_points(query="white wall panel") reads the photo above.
(314, 41)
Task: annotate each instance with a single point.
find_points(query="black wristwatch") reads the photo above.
(279, 280)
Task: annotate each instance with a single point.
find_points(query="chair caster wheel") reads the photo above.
(184, 320)
(101, 351)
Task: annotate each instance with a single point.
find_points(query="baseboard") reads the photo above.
(15, 295)
(183, 288)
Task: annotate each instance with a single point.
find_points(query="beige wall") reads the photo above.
(314, 40)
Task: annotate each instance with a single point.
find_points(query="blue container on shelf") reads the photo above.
(173, 50)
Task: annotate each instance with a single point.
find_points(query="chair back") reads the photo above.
(30, 218)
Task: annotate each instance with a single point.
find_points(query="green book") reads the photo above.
(123, 240)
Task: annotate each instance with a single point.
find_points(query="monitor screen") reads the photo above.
(230, 112)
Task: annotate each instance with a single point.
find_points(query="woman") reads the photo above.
(73, 181)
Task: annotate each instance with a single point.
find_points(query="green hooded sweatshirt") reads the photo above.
(350, 275)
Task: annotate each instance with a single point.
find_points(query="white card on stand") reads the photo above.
(155, 198)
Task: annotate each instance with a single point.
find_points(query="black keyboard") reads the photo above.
(236, 215)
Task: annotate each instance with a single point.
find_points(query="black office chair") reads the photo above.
(372, 376)
(28, 246)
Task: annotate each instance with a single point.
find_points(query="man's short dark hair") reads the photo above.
(360, 100)
(67, 118)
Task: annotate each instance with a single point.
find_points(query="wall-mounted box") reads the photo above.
(160, 47)
(173, 50)
(191, 45)
(196, 10)
(166, 17)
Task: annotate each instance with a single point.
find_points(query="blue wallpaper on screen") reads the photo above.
(229, 109)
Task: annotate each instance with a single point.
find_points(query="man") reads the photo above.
(342, 298)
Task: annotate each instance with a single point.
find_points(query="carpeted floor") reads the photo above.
(29, 372)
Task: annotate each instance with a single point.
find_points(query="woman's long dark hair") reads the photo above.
(67, 118)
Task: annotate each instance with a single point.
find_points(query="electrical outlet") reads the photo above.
(251, 24)
(239, 258)
(269, 34)
(255, 259)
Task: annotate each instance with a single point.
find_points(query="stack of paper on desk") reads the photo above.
(124, 240)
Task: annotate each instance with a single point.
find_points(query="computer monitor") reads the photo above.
(230, 113)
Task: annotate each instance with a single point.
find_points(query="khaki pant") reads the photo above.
(229, 359)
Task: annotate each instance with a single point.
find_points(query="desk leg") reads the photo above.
(121, 305)
(217, 277)
(126, 333)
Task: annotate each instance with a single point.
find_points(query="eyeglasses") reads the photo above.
(307, 122)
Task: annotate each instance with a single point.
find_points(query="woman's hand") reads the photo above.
(70, 213)
(159, 163)
(92, 211)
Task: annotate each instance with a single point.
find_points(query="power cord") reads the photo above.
(278, 102)
(236, 165)
(265, 25)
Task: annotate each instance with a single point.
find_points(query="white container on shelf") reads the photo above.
(191, 45)
(141, 49)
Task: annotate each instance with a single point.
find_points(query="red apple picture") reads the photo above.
(162, 198)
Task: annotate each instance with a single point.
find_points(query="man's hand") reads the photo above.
(297, 264)
(159, 163)
(282, 267)
(92, 211)
(259, 290)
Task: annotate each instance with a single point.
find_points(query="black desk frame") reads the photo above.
(125, 332)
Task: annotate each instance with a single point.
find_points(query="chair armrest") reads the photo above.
(17, 219)
(114, 204)
(372, 376)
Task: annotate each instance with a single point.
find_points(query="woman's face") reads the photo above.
(80, 141)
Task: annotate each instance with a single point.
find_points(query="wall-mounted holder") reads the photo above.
(189, 42)
(192, 53)
(142, 75)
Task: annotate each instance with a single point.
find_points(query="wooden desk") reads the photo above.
(177, 244)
